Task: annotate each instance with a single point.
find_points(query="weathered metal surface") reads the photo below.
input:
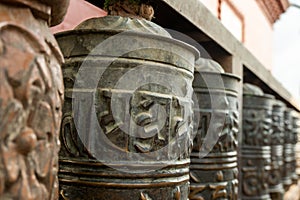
(297, 147)
(126, 129)
(256, 150)
(213, 170)
(295, 123)
(31, 95)
(276, 189)
(288, 149)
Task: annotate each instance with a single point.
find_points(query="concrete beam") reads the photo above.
(196, 14)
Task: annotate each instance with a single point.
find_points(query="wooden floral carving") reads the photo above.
(31, 95)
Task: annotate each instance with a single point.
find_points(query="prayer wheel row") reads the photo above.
(297, 146)
(270, 129)
(142, 121)
(141, 97)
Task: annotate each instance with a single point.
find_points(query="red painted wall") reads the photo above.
(78, 11)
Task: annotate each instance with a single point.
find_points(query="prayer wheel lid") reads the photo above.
(278, 103)
(208, 65)
(121, 24)
(126, 37)
(295, 114)
(249, 89)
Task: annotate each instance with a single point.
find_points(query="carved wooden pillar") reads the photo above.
(277, 140)
(287, 149)
(31, 95)
(256, 150)
(214, 168)
(127, 124)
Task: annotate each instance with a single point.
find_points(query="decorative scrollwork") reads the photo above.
(257, 127)
(214, 190)
(228, 138)
(71, 142)
(31, 95)
(277, 136)
(254, 183)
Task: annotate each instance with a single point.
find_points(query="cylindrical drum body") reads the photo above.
(297, 147)
(127, 117)
(288, 149)
(256, 150)
(214, 170)
(276, 189)
(295, 119)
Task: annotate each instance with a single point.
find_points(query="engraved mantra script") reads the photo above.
(139, 123)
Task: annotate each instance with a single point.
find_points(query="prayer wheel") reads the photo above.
(288, 149)
(127, 120)
(256, 140)
(297, 147)
(214, 168)
(295, 121)
(276, 189)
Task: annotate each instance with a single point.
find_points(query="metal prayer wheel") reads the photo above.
(276, 189)
(288, 149)
(295, 119)
(214, 168)
(127, 125)
(297, 147)
(256, 149)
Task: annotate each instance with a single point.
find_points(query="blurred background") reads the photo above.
(286, 59)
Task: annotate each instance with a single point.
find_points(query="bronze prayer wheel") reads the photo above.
(127, 124)
(295, 121)
(256, 150)
(288, 149)
(214, 168)
(297, 147)
(276, 189)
